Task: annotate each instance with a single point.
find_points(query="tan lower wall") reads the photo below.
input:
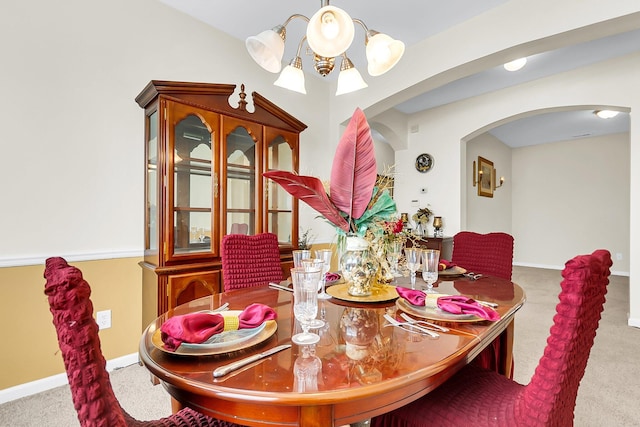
(31, 348)
(30, 345)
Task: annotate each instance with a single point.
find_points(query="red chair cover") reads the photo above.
(482, 398)
(89, 382)
(250, 260)
(490, 254)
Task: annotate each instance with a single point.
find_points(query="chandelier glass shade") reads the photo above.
(330, 32)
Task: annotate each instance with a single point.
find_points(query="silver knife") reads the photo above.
(279, 287)
(224, 370)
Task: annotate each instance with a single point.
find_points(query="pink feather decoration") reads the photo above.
(354, 170)
(310, 190)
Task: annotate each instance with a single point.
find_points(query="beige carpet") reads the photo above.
(608, 395)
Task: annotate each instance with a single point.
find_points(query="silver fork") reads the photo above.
(223, 307)
(411, 320)
(409, 327)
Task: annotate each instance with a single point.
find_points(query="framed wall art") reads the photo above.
(485, 177)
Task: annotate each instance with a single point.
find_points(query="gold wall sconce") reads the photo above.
(437, 226)
(484, 177)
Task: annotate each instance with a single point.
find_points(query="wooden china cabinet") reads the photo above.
(204, 161)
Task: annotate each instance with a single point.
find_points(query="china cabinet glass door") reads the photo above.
(281, 207)
(194, 180)
(152, 185)
(241, 145)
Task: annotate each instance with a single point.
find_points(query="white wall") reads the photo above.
(444, 130)
(485, 214)
(72, 134)
(572, 197)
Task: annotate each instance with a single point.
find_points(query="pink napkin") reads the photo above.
(196, 328)
(444, 264)
(455, 304)
(414, 296)
(331, 277)
(459, 304)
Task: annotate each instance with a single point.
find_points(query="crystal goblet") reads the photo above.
(394, 250)
(305, 302)
(299, 255)
(325, 255)
(412, 256)
(314, 264)
(430, 260)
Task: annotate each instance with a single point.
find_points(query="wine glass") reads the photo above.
(413, 263)
(311, 264)
(305, 302)
(307, 369)
(430, 260)
(394, 249)
(325, 255)
(299, 255)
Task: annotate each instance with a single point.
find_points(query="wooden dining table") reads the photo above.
(360, 368)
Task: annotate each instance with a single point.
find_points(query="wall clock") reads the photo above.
(424, 162)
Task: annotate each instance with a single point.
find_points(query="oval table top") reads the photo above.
(363, 367)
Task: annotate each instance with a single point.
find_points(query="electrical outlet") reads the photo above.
(103, 318)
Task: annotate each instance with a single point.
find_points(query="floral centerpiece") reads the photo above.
(421, 219)
(354, 204)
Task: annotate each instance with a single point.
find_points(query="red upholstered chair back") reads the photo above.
(550, 397)
(490, 254)
(250, 260)
(89, 382)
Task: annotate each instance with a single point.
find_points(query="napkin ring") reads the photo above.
(231, 323)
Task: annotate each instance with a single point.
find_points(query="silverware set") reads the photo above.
(424, 323)
(279, 287)
(224, 370)
(411, 327)
(408, 324)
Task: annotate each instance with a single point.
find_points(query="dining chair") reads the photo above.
(250, 260)
(490, 254)
(481, 397)
(91, 391)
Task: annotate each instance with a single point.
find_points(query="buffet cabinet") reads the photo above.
(204, 161)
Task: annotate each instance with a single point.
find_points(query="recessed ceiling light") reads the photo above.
(606, 114)
(515, 65)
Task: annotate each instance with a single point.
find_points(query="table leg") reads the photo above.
(505, 365)
(315, 416)
(176, 406)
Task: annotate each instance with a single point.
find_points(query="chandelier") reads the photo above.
(330, 32)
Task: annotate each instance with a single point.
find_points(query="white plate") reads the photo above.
(226, 339)
(224, 342)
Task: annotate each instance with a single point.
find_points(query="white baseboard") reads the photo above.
(561, 267)
(633, 322)
(44, 384)
(544, 266)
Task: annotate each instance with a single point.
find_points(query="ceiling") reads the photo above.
(414, 20)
